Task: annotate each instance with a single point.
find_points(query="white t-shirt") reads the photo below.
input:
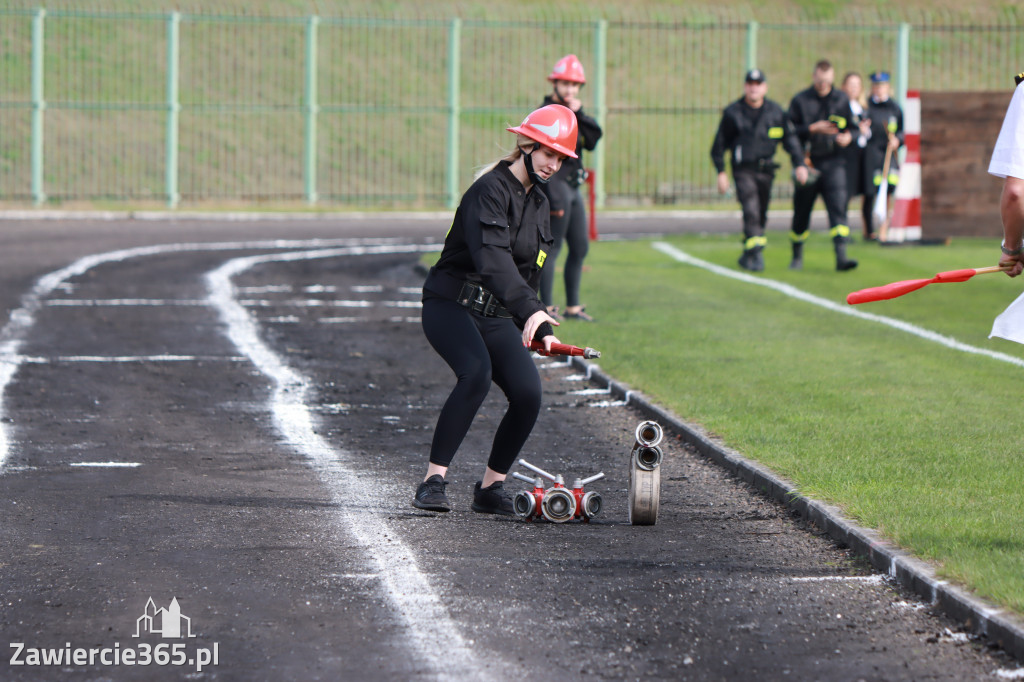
(1008, 156)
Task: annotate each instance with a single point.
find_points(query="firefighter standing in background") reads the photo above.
(751, 129)
(568, 215)
(481, 310)
(821, 117)
(886, 132)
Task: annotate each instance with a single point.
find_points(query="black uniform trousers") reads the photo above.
(832, 186)
(570, 227)
(481, 349)
(753, 190)
(874, 163)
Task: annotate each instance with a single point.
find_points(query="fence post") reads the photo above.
(600, 102)
(454, 74)
(311, 110)
(752, 45)
(903, 65)
(173, 108)
(38, 106)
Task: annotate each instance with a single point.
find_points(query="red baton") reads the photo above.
(564, 349)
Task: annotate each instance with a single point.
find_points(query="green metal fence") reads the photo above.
(387, 112)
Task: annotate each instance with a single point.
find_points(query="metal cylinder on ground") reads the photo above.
(645, 475)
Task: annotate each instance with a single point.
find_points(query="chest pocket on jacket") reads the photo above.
(534, 243)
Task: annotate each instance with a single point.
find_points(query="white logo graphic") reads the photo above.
(550, 130)
(560, 68)
(164, 622)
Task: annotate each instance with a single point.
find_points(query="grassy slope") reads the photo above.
(903, 434)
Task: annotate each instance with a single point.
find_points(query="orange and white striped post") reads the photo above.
(906, 212)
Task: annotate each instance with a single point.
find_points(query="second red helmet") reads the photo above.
(553, 126)
(568, 68)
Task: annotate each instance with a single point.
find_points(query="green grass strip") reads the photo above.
(904, 435)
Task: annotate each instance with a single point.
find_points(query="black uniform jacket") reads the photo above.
(589, 133)
(499, 239)
(752, 135)
(806, 107)
(885, 117)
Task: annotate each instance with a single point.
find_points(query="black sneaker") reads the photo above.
(430, 495)
(493, 499)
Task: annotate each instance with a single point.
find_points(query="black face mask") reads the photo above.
(528, 160)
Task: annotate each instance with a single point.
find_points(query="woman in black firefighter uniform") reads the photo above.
(568, 215)
(822, 118)
(886, 132)
(751, 129)
(481, 310)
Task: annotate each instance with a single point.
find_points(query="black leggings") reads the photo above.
(479, 350)
(572, 228)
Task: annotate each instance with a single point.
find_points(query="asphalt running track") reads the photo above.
(234, 415)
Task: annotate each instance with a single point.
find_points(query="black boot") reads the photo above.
(842, 262)
(748, 260)
(758, 264)
(798, 256)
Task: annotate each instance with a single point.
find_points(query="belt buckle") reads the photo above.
(490, 306)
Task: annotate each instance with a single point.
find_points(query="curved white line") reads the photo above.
(437, 641)
(793, 292)
(14, 333)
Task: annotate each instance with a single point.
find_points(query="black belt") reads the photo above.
(761, 165)
(479, 300)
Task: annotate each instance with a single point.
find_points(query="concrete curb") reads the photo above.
(980, 617)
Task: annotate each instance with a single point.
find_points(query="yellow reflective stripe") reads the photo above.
(893, 178)
(762, 241)
(839, 231)
(891, 127)
(541, 257)
(798, 238)
(838, 120)
(775, 133)
(750, 243)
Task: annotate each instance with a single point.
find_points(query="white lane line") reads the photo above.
(592, 391)
(408, 589)
(871, 579)
(367, 288)
(845, 309)
(16, 331)
(309, 303)
(341, 320)
(36, 360)
(106, 465)
(117, 302)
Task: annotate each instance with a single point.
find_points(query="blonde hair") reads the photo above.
(511, 157)
(862, 98)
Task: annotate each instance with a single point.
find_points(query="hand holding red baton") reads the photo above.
(564, 349)
(896, 289)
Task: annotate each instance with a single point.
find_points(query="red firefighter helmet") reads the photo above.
(553, 126)
(568, 68)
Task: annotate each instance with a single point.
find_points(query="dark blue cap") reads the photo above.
(756, 76)
(880, 77)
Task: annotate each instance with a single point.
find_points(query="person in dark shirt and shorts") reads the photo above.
(751, 129)
(481, 309)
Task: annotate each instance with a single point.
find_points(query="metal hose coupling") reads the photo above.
(649, 434)
(558, 505)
